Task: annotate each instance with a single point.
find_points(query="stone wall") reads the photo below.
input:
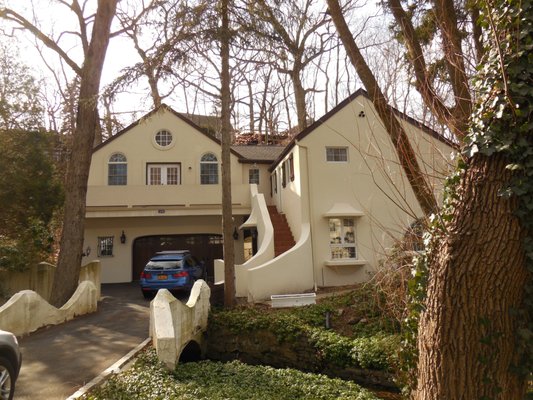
(263, 347)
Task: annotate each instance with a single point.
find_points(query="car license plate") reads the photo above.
(162, 277)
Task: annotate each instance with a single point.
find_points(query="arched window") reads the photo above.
(117, 170)
(209, 169)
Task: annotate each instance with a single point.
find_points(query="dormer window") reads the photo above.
(117, 172)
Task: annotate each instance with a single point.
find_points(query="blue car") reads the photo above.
(175, 270)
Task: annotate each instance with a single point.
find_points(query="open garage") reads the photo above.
(205, 247)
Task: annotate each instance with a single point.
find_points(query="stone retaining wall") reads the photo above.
(263, 347)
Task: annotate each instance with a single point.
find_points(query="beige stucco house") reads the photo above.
(338, 184)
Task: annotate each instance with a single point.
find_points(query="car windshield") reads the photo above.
(168, 264)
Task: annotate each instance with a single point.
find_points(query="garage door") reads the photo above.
(204, 247)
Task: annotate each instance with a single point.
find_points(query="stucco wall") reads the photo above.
(139, 147)
(372, 181)
(118, 267)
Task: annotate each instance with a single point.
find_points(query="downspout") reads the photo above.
(310, 207)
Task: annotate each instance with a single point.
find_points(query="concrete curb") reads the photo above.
(115, 368)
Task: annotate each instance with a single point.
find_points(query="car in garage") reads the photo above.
(174, 270)
(10, 362)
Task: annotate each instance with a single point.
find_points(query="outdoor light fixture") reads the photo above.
(123, 238)
(86, 252)
(235, 233)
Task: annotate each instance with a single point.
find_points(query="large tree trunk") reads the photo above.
(227, 212)
(69, 263)
(468, 332)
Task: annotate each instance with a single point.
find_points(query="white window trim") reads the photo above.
(158, 146)
(342, 244)
(164, 174)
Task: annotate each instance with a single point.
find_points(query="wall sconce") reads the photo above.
(86, 252)
(123, 237)
(235, 233)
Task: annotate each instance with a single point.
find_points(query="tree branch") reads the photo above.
(13, 16)
(398, 136)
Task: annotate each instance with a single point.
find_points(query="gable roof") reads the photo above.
(161, 108)
(340, 106)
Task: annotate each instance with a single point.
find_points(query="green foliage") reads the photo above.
(30, 194)
(147, 379)
(502, 124)
(374, 352)
(369, 347)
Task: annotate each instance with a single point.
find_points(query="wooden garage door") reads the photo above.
(204, 247)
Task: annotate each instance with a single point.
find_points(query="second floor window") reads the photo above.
(164, 174)
(291, 167)
(117, 173)
(209, 169)
(253, 176)
(337, 154)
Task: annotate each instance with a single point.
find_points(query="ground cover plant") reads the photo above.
(358, 334)
(148, 379)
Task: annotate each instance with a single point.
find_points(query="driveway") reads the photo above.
(58, 360)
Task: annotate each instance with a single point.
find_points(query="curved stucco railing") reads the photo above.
(264, 274)
(290, 272)
(259, 219)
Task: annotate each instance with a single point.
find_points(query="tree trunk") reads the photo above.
(227, 212)
(69, 263)
(468, 332)
(299, 97)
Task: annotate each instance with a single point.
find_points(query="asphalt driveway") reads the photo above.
(58, 360)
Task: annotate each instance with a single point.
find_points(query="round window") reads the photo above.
(163, 138)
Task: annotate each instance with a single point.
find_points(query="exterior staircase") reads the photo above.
(283, 239)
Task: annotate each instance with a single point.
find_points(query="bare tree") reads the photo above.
(227, 212)
(69, 263)
(404, 150)
(163, 34)
(293, 34)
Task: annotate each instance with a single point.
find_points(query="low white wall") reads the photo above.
(174, 324)
(27, 311)
(39, 278)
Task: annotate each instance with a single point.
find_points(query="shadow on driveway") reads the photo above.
(58, 360)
